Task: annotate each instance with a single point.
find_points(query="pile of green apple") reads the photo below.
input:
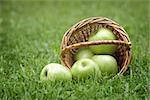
(92, 61)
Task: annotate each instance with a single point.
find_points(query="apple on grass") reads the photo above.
(103, 34)
(107, 64)
(83, 53)
(85, 68)
(55, 72)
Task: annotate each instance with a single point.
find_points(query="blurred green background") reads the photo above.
(30, 37)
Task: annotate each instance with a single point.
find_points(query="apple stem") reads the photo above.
(46, 73)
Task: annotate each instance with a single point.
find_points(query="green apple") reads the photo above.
(107, 64)
(83, 53)
(85, 68)
(103, 34)
(55, 72)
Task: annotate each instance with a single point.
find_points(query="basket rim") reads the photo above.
(83, 21)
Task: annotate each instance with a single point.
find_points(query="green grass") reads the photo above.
(30, 37)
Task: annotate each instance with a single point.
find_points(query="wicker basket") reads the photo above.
(77, 37)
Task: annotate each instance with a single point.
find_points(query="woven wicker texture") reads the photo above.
(77, 37)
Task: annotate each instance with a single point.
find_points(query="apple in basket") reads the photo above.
(83, 53)
(85, 68)
(106, 63)
(103, 34)
(55, 72)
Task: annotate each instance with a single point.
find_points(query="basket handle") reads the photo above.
(97, 42)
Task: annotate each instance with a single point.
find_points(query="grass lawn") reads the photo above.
(30, 37)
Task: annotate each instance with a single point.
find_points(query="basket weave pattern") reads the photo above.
(77, 37)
